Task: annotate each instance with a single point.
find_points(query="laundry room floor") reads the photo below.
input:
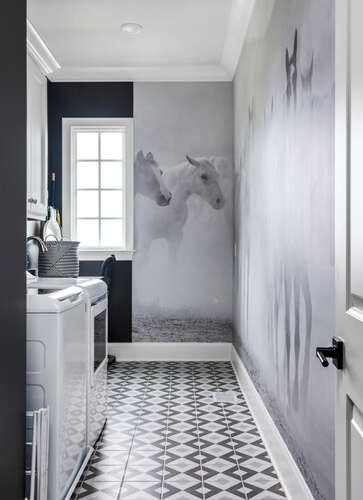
(169, 435)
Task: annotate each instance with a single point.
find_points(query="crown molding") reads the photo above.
(239, 19)
(39, 51)
(202, 73)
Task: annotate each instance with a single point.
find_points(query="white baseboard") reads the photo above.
(171, 351)
(289, 473)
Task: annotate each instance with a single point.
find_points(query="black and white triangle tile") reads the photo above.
(169, 437)
(102, 490)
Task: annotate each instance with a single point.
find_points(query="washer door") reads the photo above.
(99, 322)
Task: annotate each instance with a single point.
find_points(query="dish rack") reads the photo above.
(37, 449)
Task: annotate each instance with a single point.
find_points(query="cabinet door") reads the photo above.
(37, 172)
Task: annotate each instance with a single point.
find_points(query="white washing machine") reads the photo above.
(57, 372)
(97, 327)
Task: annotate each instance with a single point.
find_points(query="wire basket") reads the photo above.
(60, 261)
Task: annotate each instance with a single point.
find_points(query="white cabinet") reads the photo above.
(37, 170)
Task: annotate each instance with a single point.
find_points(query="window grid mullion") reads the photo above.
(120, 160)
(100, 218)
(124, 184)
(75, 174)
(99, 188)
(99, 160)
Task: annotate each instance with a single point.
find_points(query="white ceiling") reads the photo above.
(181, 39)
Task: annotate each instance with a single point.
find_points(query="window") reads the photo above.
(98, 185)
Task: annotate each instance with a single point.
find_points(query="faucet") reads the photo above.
(39, 241)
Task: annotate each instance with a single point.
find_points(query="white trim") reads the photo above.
(171, 351)
(288, 472)
(239, 19)
(39, 51)
(223, 71)
(98, 253)
(202, 73)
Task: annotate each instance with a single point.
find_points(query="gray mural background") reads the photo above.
(183, 266)
(284, 286)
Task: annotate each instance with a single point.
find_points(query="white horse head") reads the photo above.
(205, 182)
(149, 181)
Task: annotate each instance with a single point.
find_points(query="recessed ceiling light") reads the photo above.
(132, 28)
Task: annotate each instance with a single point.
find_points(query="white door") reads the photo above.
(349, 247)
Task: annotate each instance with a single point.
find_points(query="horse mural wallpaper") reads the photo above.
(284, 267)
(182, 271)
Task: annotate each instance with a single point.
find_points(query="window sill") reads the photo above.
(102, 254)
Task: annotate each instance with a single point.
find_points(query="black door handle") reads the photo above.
(335, 352)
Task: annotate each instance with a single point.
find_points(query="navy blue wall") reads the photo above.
(93, 100)
(82, 100)
(12, 249)
(119, 300)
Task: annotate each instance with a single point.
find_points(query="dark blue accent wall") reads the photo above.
(119, 300)
(82, 100)
(12, 249)
(93, 100)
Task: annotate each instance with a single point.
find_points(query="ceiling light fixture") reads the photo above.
(132, 28)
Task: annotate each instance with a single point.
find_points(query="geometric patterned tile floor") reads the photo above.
(168, 437)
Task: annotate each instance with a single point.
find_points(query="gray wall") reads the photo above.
(284, 224)
(182, 272)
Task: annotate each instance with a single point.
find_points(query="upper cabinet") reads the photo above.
(40, 62)
(37, 169)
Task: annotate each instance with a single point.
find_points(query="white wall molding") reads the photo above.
(289, 473)
(224, 70)
(202, 73)
(239, 19)
(39, 51)
(171, 351)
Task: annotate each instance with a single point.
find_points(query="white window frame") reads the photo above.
(69, 185)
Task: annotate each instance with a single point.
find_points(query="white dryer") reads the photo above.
(57, 371)
(97, 347)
